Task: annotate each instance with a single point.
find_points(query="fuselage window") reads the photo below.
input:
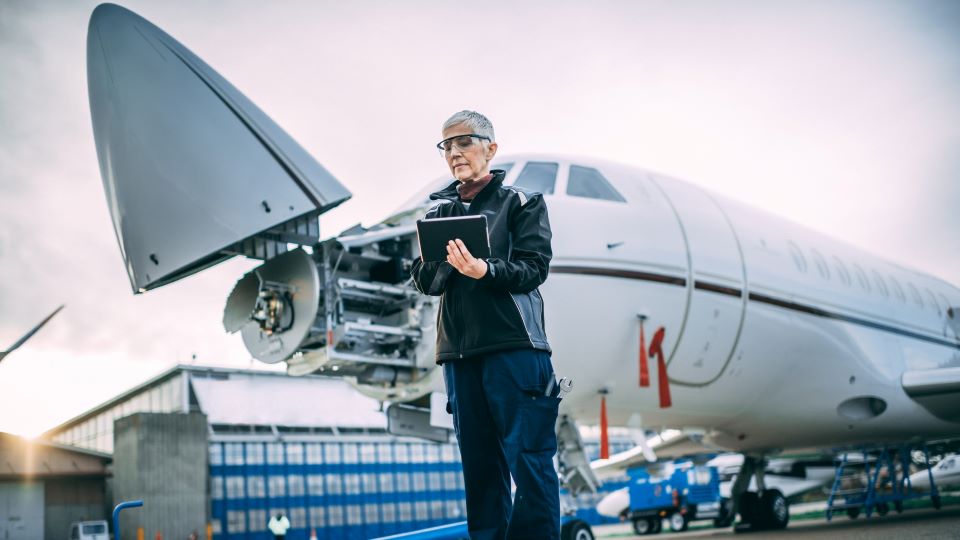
(881, 285)
(861, 277)
(842, 271)
(798, 259)
(915, 294)
(933, 301)
(897, 289)
(821, 264)
(538, 176)
(588, 182)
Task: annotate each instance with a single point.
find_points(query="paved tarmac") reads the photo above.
(920, 523)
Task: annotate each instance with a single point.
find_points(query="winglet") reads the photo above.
(29, 334)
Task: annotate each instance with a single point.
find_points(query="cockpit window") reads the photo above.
(538, 176)
(588, 182)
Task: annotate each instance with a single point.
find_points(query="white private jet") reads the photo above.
(762, 335)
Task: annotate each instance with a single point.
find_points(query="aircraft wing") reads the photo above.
(29, 334)
(194, 172)
(938, 390)
(668, 445)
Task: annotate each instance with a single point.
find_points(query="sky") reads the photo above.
(843, 116)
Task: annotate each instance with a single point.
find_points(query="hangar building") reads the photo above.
(241, 445)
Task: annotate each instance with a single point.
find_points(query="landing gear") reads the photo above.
(765, 510)
(576, 530)
(650, 525)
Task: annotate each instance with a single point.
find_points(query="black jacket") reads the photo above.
(503, 309)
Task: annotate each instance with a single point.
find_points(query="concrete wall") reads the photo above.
(72, 499)
(161, 458)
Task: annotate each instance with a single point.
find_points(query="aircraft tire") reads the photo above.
(883, 509)
(853, 512)
(749, 507)
(576, 530)
(774, 511)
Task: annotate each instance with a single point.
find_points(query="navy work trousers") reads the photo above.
(506, 426)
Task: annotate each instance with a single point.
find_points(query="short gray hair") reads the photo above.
(479, 123)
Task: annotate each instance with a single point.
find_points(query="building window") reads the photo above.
(335, 515)
(385, 453)
(258, 519)
(421, 511)
(354, 514)
(369, 482)
(402, 452)
(453, 509)
(256, 488)
(275, 453)
(216, 487)
(295, 485)
(433, 479)
(386, 482)
(277, 486)
(236, 521)
(235, 487)
(389, 512)
(450, 480)
(294, 453)
(448, 451)
(371, 513)
(298, 517)
(404, 511)
(331, 452)
(315, 484)
(350, 454)
(432, 453)
(436, 510)
(419, 481)
(234, 453)
(588, 182)
(416, 453)
(318, 516)
(254, 453)
(334, 484)
(216, 454)
(351, 483)
(403, 482)
(314, 453)
(368, 453)
(538, 176)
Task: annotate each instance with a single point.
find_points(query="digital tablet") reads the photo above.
(433, 235)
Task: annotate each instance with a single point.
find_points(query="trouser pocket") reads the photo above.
(538, 420)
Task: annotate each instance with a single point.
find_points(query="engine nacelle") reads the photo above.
(345, 308)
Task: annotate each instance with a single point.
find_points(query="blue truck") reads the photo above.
(686, 492)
